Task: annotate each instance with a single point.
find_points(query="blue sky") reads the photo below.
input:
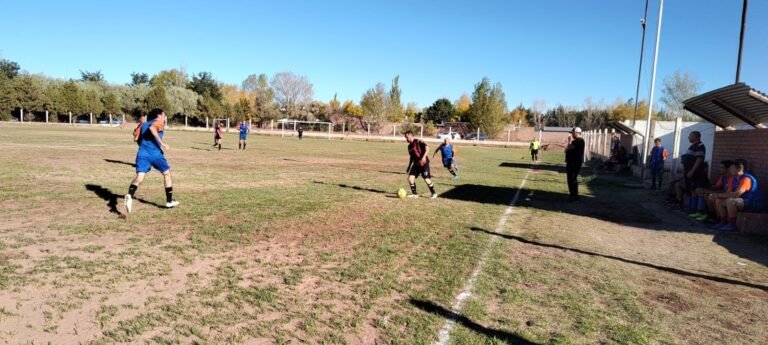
(560, 51)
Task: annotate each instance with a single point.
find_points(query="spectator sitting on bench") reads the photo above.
(745, 196)
(723, 184)
(616, 163)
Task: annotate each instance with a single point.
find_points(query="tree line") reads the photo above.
(262, 98)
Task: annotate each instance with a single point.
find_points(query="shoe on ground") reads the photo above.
(456, 177)
(702, 218)
(694, 215)
(727, 228)
(718, 226)
(434, 196)
(171, 204)
(128, 203)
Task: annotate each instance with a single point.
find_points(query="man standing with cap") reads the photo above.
(574, 158)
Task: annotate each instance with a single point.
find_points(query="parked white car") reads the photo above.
(452, 135)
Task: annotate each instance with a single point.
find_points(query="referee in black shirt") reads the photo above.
(574, 158)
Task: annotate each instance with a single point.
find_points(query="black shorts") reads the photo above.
(422, 170)
(535, 152)
(216, 137)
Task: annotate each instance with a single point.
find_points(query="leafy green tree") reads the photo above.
(111, 103)
(489, 108)
(182, 101)
(170, 77)
(27, 93)
(439, 112)
(93, 102)
(462, 107)
(204, 84)
(395, 106)
(6, 97)
(54, 103)
(9, 69)
(242, 110)
(374, 106)
(91, 76)
(157, 98)
(72, 98)
(264, 106)
(132, 99)
(139, 79)
(207, 106)
(411, 112)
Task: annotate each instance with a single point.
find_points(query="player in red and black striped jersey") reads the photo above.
(419, 164)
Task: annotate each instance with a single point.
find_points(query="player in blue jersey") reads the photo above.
(447, 152)
(151, 154)
(244, 130)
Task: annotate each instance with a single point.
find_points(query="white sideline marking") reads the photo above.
(445, 332)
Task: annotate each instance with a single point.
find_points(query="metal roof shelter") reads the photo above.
(623, 128)
(557, 129)
(730, 106)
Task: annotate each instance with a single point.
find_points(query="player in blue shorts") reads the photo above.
(446, 150)
(244, 130)
(151, 155)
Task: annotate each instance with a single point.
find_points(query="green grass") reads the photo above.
(301, 241)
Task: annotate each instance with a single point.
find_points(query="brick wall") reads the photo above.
(751, 145)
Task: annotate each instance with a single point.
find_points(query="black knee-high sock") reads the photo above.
(168, 194)
(244, 145)
(132, 190)
(653, 181)
(219, 147)
(413, 188)
(239, 146)
(660, 176)
(453, 172)
(431, 187)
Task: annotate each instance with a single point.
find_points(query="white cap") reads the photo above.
(576, 130)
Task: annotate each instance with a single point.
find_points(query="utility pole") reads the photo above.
(741, 38)
(646, 139)
(640, 69)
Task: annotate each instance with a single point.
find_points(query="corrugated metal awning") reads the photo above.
(623, 128)
(731, 106)
(557, 129)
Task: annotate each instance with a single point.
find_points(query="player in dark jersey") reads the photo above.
(217, 134)
(447, 153)
(150, 155)
(244, 130)
(419, 164)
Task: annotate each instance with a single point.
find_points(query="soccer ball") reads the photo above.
(401, 193)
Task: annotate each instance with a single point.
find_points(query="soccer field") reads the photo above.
(305, 241)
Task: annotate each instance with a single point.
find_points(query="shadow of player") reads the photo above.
(111, 198)
(119, 162)
(507, 337)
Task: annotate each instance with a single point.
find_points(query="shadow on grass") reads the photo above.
(538, 166)
(362, 189)
(508, 337)
(111, 198)
(628, 261)
(119, 162)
